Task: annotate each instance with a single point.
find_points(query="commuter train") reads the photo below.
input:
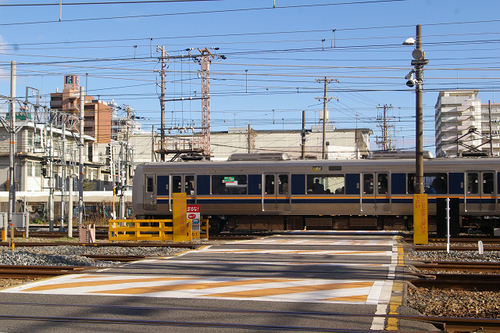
(321, 194)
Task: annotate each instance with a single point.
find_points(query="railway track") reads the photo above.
(34, 244)
(445, 323)
(456, 275)
(480, 267)
(23, 272)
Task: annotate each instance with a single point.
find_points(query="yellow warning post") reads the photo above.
(182, 226)
(420, 221)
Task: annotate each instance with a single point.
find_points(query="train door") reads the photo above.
(184, 184)
(276, 192)
(480, 192)
(150, 192)
(375, 196)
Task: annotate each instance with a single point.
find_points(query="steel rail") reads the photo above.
(470, 266)
(445, 322)
(459, 281)
(124, 321)
(19, 272)
(34, 244)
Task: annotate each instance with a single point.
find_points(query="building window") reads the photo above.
(29, 169)
(38, 141)
(38, 170)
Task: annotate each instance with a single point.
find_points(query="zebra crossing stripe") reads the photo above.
(80, 284)
(291, 290)
(187, 286)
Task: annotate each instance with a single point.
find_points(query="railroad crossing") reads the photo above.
(331, 281)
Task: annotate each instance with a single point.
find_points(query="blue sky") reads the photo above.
(273, 57)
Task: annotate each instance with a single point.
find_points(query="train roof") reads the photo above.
(344, 163)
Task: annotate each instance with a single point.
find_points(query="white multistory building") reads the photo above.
(457, 122)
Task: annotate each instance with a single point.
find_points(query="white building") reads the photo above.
(490, 119)
(31, 153)
(457, 122)
(340, 144)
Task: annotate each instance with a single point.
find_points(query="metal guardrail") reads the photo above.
(147, 230)
(141, 230)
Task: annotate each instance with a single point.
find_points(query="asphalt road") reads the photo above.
(306, 283)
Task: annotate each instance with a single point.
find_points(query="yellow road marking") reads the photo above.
(291, 290)
(175, 287)
(397, 294)
(98, 283)
(359, 298)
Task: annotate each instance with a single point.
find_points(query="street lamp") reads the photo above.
(419, 62)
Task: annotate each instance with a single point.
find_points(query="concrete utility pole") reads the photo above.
(303, 137)
(205, 99)
(51, 171)
(419, 62)
(491, 134)
(80, 158)
(162, 102)
(12, 147)
(63, 173)
(325, 118)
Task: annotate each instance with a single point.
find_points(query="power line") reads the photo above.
(362, 2)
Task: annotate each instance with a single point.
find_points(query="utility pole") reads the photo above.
(80, 158)
(303, 137)
(325, 118)
(249, 139)
(50, 161)
(386, 141)
(12, 148)
(419, 62)
(204, 60)
(63, 173)
(205, 99)
(491, 134)
(162, 102)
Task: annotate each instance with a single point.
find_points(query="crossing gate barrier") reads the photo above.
(147, 230)
(141, 230)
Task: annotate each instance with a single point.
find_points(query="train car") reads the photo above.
(320, 194)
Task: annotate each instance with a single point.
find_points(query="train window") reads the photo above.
(149, 184)
(176, 184)
(472, 183)
(283, 184)
(368, 183)
(488, 183)
(434, 183)
(269, 184)
(190, 185)
(382, 180)
(325, 184)
(229, 184)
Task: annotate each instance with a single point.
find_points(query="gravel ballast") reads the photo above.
(66, 255)
(454, 303)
